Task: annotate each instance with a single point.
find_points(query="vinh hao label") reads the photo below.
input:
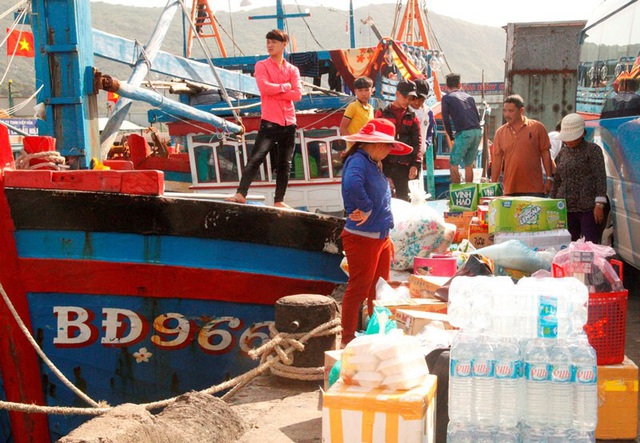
(536, 372)
(483, 368)
(507, 369)
(562, 374)
(463, 197)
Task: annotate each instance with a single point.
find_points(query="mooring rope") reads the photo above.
(281, 344)
(52, 159)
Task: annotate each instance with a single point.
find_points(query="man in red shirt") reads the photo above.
(279, 85)
(518, 147)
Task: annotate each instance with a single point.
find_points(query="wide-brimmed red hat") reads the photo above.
(380, 130)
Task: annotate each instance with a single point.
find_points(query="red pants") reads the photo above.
(368, 260)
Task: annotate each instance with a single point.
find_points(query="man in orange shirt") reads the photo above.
(518, 147)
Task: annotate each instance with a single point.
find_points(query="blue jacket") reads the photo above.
(365, 187)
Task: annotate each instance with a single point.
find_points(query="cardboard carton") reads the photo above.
(461, 220)
(522, 214)
(479, 235)
(489, 190)
(355, 414)
(618, 401)
(425, 286)
(417, 304)
(463, 197)
(412, 322)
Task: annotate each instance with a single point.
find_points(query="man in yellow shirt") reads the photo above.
(359, 112)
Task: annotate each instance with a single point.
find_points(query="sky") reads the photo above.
(490, 12)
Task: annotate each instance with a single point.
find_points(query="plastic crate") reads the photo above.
(606, 325)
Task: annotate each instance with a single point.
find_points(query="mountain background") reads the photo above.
(469, 49)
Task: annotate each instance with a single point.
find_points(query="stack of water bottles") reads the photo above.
(522, 369)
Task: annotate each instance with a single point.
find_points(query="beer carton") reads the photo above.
(523, 214)
(463, 197)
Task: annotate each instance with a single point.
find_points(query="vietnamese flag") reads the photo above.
(20, 43)
(112, 97)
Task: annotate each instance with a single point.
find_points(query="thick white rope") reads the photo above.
(42, 355)
(53, 160)
(268, 361)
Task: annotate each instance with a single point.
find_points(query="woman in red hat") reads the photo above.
(367, 201)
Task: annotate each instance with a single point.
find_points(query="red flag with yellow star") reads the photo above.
(112, 97)
(20, 43)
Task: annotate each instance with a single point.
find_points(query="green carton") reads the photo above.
(463, 197)
(526, 214)
(489, 190)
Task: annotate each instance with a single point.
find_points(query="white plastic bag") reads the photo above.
(419, 230)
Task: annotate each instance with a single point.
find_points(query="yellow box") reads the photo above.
(618, 401)
(479, 236)
(356, 414)
(417, 304)
(462, 220)
(412, 322)
(330, 359)
(424, 286)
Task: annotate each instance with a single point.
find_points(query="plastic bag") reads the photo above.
(380, 320)
(514, 254)
(588, 263)
(474, 266)
(419, 230)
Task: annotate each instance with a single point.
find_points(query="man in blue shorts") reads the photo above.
(460, 107)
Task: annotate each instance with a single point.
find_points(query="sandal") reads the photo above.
(282, 205)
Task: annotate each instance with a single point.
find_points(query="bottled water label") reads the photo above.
(586, 375)
(562, 374)
(460, 368)
(508, 369)
(536, 371)
(548, 317)
(483, 368)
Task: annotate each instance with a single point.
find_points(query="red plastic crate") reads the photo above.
(606, 325)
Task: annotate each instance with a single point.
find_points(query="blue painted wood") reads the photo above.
(123, 50)
(176, 108)
(180, 251)
(64, 69)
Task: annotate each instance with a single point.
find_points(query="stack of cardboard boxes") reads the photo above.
(468, 202)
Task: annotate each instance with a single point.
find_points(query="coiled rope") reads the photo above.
(282, 344)
(52, 160)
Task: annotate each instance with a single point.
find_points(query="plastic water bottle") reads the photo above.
(460, 378)
(585, 395)
(508, 373)
(483, 385)
(460, 433)
(507, 435)
(561, 387)
(459, 307)
(536, 380)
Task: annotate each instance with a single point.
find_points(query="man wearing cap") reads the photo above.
(518, 147)
(427, 128)
(401, 169)
(279, 85)
(460, 107)
(580, 179)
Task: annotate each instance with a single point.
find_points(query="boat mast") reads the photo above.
(413, 31)
(280, 15)
(64, 69)
(352, 31)
(206, 26)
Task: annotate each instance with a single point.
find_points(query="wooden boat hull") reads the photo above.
(137, 298)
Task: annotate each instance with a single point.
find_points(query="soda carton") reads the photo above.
(524, 214)
(463, 197)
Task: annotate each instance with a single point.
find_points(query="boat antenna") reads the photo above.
(208, 56)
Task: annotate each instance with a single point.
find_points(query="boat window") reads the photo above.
(607, 49)
(228, 162)
(318, 159)
(338, 147)
(262, 175)
(205, 164)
